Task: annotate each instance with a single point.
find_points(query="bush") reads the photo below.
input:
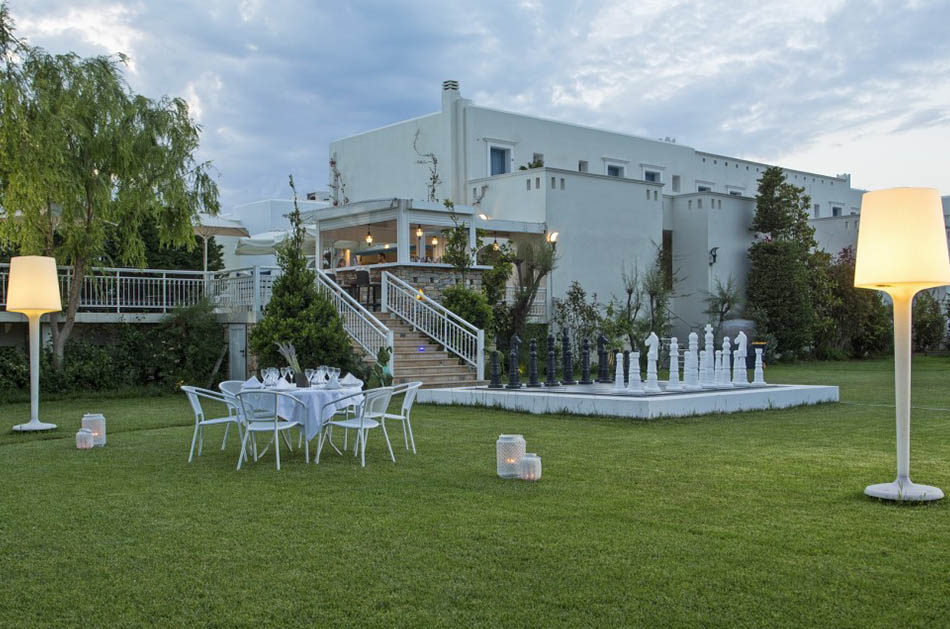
(929, 322)
(470, 305)
(187, 344)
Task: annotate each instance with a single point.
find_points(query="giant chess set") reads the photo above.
(713, 381)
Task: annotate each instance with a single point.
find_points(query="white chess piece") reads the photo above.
(717, 368)
(618, 380)
(758, 376)
(694, 349)
(701, 370)
(674, 382)
(740, 376)
(653, 355)
(690, 373)
(635, 385)
(726, 381)
(709, 366)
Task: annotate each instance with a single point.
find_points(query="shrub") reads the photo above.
(929, 322)
(188, 343)
(470, 305)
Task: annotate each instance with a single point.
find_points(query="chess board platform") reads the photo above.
(601, 400)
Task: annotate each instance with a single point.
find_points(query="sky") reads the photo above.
(827, 86)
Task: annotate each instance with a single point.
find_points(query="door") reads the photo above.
(237, 352)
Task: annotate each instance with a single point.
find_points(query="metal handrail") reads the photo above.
(361, 324)
(457, 335)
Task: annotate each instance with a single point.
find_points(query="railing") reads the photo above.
(118, 290)
(359, 322)
(538, 313)
(457, 335)
(246, 289)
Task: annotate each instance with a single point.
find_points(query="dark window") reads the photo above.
(499, 161)
(651, 175)
(703, 189)
(835, 211)
(615, 171)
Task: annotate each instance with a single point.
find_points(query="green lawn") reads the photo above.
(753, 518)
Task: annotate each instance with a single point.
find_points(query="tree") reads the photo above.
(80, 152)
(779, 291)
(532, 260)
(929, 325)
(457, 252)
(724, 300)
(298, 313)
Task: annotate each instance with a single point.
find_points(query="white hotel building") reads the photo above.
(612, 197)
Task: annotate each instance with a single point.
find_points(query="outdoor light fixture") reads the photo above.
(483, 216)
(494, 245)
(508, 452)
(369, 236)
(529, 468)
(552, 237)
(902, 249)
(419, 233)
(386, 246)
(33, 290)
(84, 439)
(435, 241)
(96, 424)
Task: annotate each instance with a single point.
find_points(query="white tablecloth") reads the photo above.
(314, 400)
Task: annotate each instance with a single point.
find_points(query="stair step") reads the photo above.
(448, 385)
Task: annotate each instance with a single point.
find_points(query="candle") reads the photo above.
(508, 452)
(96, 424)
(530, 467)
(84, 439)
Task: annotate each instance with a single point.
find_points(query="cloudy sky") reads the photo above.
(830, 86)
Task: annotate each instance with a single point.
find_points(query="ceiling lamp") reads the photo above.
(369, 236)
(419, 233)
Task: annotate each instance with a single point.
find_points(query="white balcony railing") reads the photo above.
(538, 313)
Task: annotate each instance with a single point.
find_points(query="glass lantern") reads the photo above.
(96, 424)
(508, 452)
(530, 467)
(84, 439)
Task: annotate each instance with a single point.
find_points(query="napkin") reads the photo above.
(349, 380)
(252, 383)
(283, 385)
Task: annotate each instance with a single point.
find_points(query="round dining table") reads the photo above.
(316, 400)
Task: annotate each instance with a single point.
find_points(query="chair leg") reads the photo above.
(201, 438)
(287, 440)
(243, 454)
(277, 448)
(388, 445)
(363, 450)
(224, 441)
(320, 440)
(306, 451)
(193, 439)
(411, 438)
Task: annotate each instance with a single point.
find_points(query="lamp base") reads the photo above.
(33, 426)
(904, 491)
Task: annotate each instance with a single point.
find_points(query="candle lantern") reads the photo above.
(84, 439)
(96, 424)
(530, 467)
(508, 452)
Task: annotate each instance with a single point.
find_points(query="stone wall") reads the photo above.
(432, 279)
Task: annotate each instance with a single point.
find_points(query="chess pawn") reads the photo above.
(710, 372)
(690, 372)
(758, 376)
(618, 380)
(701, 369)
(635, 385)
(717, 369)
(726, 382)
(740, 377)
(674, 382)
(652, 385)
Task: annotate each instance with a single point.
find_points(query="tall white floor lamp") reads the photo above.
(902, 249)
(33, 290)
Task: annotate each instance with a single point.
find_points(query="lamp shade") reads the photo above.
(902, 241)
(33, 286)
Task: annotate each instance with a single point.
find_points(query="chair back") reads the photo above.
(362, 278)
(411, 390)
(255, 403)
(375, 402)
(195, 394)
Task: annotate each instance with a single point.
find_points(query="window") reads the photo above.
(648, 195)
(553, 183)
(817, 209)
(699, 204)
(500, 161)
(582, 166)
(562, 183)
(703, 189)
(689, 204)
(655, 195)
(676, 183)
(735, 193)
(835, 211)
(614, 171)
(651, 175)
(528, 181)
(537, 183)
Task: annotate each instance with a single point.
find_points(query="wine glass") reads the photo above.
(285, 371)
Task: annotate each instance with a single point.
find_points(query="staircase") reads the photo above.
(417, 357)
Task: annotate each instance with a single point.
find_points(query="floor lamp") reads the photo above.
(902, 249)
(33, 290)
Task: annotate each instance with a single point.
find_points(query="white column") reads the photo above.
(402, 233)
(318, 248)
(472, 238)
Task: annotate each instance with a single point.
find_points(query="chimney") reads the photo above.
(450, 94)
(450, 86)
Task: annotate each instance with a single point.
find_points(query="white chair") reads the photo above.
(374, 403)
(410, 389)
(195, 395)
(252, 403)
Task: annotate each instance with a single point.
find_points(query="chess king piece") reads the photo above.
(567, 360)
(635, 385)
(618, 379)
(726, 382)
(758, 376)
(603, 374)
(514, 378)
(653, 354)
(674, 382)
(740, 376)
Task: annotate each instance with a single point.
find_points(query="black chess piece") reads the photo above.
(552, 365)
(626, 366)
(567, 360)
(514, 378)
(533, 364)
(495, 375)
(603, 369)
(585, 363)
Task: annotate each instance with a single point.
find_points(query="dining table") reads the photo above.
(319, 402)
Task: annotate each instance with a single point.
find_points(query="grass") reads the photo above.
(753, 519)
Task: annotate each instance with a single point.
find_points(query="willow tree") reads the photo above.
(79, 152)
